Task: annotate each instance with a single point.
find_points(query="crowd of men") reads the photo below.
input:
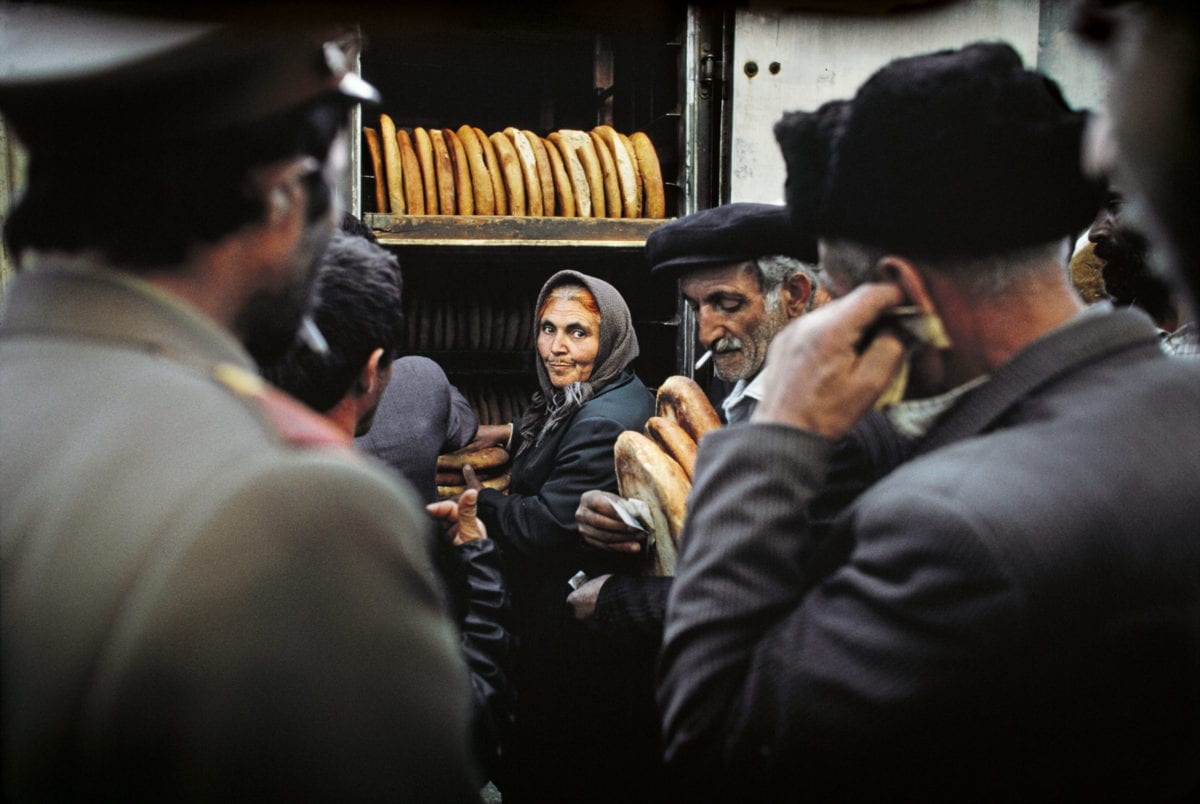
(988, 587)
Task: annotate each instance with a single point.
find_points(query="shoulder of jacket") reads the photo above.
(289, 420)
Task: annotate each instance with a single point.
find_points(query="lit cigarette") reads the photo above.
(704, 358)
(312, 337)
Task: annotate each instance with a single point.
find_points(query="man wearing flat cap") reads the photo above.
(205, 595)
(1014, 612)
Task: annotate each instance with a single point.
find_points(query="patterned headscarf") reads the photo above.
(551, 406)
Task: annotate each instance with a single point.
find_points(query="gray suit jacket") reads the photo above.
(197, 601)
(1014, 613)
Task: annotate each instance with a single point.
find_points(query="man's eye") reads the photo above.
(730, 305)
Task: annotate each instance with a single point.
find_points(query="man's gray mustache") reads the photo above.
(727, 344)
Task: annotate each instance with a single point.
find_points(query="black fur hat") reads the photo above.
(953, 153)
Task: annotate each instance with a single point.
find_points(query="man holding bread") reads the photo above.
(1000, 617)
(206, 595)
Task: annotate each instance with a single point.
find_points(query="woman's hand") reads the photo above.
(459, 519)
(601, 527)
(472, 482)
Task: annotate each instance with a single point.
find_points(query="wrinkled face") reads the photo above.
(733, 318)
(568, 341)
(1147, 138)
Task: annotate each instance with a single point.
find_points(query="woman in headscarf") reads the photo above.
(562, 447)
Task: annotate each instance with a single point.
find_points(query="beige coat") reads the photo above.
(194, 604)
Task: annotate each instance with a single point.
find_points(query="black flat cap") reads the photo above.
(727, 234)
(98, 79)
(954, 153)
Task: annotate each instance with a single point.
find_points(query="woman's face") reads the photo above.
(568, 341)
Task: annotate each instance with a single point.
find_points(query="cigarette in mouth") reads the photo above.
(704, 358)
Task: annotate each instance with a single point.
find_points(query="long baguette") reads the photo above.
(414, 190)
(481, 180)
(533, 184)
(510, 168)
(499, 194)
(391, 164)
(463, 191)
(376, 152)
(428, 171)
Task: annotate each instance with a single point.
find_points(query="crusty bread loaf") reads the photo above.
(608, 170)
(623, 161)
(391, 165)
(444, 171)
(510, 169)
(674, 441)
(499, 194)
(481, 180)
(576, 173)
(654, 204)
(484, 458)
(637, 173)
(499, 483)
(562, 182)
(414, 189)
(429, 180)
(376, 152)
(533, 184)
(545, 176)
(581, 142)
(681, 399)
(464, 193)
(646, 473)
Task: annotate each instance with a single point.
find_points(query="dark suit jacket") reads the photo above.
(1013, 613)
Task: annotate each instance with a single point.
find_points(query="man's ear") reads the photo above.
(798, 289)
(903, 272)
(369, 378)
(281, 188)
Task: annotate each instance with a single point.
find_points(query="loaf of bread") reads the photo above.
(581, 143)
(646, 473)
(375, 150)
(510, 170)
(674, 441)
(414, 190)
(391, 165)
(481, 180)
(608, 170)
(681, 399)
(654, 204)
(575, 172)
(528, 163)
(499, 193)
(429, 181)
(545, 176)
(484, 458)
(444, 172)
(464, 193)
(563, 194)
(623, 162)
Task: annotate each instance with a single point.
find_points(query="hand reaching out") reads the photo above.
(460, 516)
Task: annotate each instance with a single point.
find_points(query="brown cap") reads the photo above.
(95, 78)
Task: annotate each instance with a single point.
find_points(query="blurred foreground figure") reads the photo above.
(205, 595)
(1015, 611)
(1146, 139)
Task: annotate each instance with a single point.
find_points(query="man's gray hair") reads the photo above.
(774, 269)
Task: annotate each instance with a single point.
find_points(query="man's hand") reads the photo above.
(817, 379)
(489, 435)
(459, 518)
(583, 600)
(601, 528)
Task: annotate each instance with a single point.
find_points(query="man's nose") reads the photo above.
(709, 327)
(1102, 229)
